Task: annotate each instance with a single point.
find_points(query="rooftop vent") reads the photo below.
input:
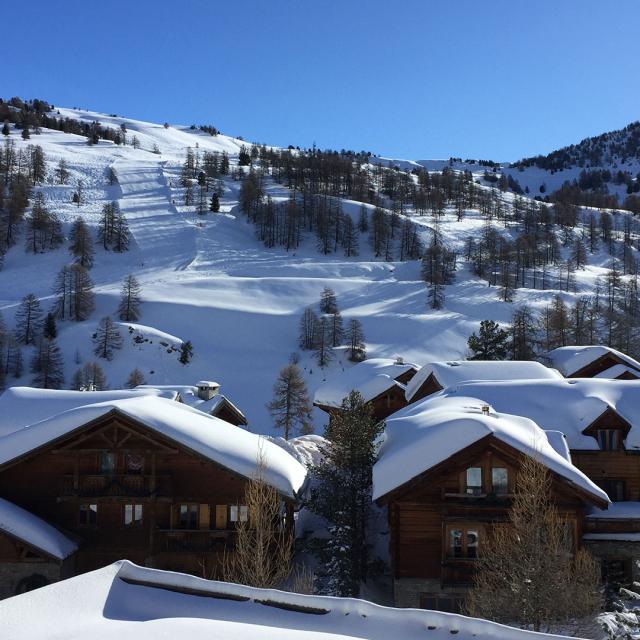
(399, 360)
(207, 389)
(485, 409)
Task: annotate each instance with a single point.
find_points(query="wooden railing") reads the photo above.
(125, 485)
(194, 539)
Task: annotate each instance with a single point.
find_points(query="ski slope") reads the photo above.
(209, 280)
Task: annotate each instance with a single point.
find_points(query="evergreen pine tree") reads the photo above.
(129, 307)
(5, 128)
(355, 340)
(341, 494)
(80, 243)
(106, 339)
(490, 343)
(290, 407)
(47, 366)
(215, 203)
(186, 352)
(136, 378)
(28, 320)
(50, 331)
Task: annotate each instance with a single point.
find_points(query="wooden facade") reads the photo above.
(124, 491)
(603, 363)
(439, 519)
(383, 405)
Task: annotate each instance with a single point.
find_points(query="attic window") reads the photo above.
(474, 481)
(608, 439)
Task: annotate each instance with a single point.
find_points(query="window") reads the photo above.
(238, 513)
(439, 602)
(474, 481)
(608, 439)
(463, 542)
(134, 463)
(132, 515)
(499, 481)
(107, 462)
(188, 516)
(88, 515)
(616, 489)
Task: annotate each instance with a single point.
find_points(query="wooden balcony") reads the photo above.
(116, 485)
(194, 539)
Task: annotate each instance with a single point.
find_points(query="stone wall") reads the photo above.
(618, 549)
(15, 575)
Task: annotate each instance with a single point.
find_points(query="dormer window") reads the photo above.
(608, 439)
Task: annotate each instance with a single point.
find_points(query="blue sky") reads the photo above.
(412, 79)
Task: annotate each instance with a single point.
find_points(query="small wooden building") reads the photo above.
(146, 479)
(446, 474)
(594, 361)
(380, 381)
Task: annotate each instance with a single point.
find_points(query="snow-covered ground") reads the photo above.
(131, 602)
(209, 280)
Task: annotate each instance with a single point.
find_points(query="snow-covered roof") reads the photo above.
(567, 405)
(217, 440)
(22, 406)
(617, 370)
(206, 383)
(137, 603)
(34, 531)
(617, 511)
(426, 433)
(189, 396)
(370, 378)
(569, 360)
(454, 372)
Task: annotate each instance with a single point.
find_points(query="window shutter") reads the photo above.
(205, 517)
(221, 516)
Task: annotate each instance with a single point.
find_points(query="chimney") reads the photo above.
(207, 389)
(399, 360)
(485, 409)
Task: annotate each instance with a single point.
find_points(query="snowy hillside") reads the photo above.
(208, 279)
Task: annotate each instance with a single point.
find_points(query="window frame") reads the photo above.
(135, 523)
(85, 507)
(101, 466)
(190, 511)
(610, 438)
(465, 528)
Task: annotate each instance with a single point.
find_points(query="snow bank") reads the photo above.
(371, 378)
(451, 373)
(426, 433)
(136, 603)
(617, 511)
(34, 531)
(568, 360)
(22, 406)
(564, 405)
(233, 448)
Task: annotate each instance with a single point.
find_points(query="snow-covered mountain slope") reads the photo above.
(131, 602)
(208, 279)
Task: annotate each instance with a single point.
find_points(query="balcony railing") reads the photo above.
(126, 485)
(195, 539)
(457, 572)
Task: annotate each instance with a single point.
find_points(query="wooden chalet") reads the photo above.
(380, 381)
(594, 361)
(145, 479)
(447, 477)
(436, 376)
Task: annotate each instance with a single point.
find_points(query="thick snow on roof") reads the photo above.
(457, 371)
(617, 511)
(568, 360)
(371, 378)
(128, 602)
(233, 448)
(616, 371)
(564, 405)
(22, 406)
(34, 531)
(189, 396)
(426, 433)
